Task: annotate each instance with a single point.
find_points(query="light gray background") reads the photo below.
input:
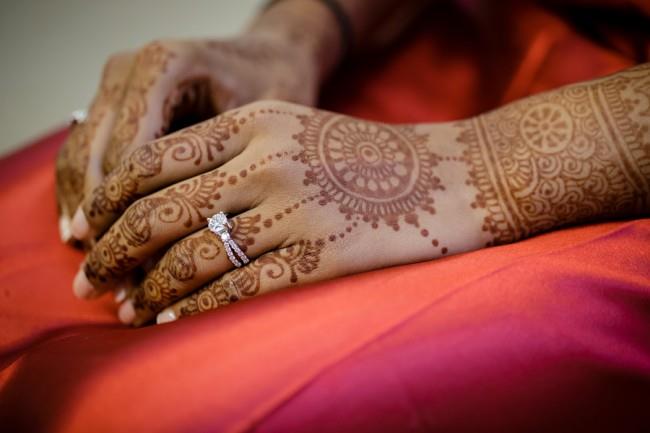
(52, 51)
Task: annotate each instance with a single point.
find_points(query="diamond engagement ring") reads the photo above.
(219, 225)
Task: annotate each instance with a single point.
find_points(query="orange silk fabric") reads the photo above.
(549, 334)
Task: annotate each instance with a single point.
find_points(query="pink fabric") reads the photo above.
(549, 334)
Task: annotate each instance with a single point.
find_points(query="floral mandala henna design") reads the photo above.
(300, 259)
(371, 171)
(561, 157)
(547, 128)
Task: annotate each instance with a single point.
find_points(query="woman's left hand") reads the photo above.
(311, 195)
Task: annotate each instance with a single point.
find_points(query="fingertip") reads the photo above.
(65, 230)
(120, 295)
(79, 227)
(165, 316)
(126, 312)
(81, 286)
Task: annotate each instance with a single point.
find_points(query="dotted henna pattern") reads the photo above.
(562, 157)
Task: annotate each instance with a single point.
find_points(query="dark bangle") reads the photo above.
(342, 20)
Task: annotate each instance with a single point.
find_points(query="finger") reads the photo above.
(202, 257)
(163, 217)
(139, 118)
(71, 164)
(111, 94)
(83, 150)
(154, 165)
(296, 264)
(187, 153)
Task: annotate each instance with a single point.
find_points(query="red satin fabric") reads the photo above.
(549, 334)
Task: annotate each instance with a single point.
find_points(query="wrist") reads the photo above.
(308, 28)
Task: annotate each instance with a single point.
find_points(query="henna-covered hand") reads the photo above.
(315, 195)
(312, 195)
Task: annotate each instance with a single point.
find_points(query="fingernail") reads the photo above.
(79, 226)
(126, 313)
(64, 228)
(120, 295)
(81, 286)
(166, 315)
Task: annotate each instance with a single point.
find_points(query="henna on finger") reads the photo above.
(150, 63)
(178, 270)
(126, 244)
(74, 156)
(191, 151)
(280, 268)
(180, 208)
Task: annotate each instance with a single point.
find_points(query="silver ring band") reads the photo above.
(220, 226)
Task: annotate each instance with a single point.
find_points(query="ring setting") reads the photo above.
(220, 226)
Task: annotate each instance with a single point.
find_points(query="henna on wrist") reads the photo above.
(562, 157)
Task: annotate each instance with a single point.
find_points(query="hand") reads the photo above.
(312, 195)
(316, 195)
(168, 85)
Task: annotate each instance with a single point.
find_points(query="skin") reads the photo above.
(285, 54)
(312, 194)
